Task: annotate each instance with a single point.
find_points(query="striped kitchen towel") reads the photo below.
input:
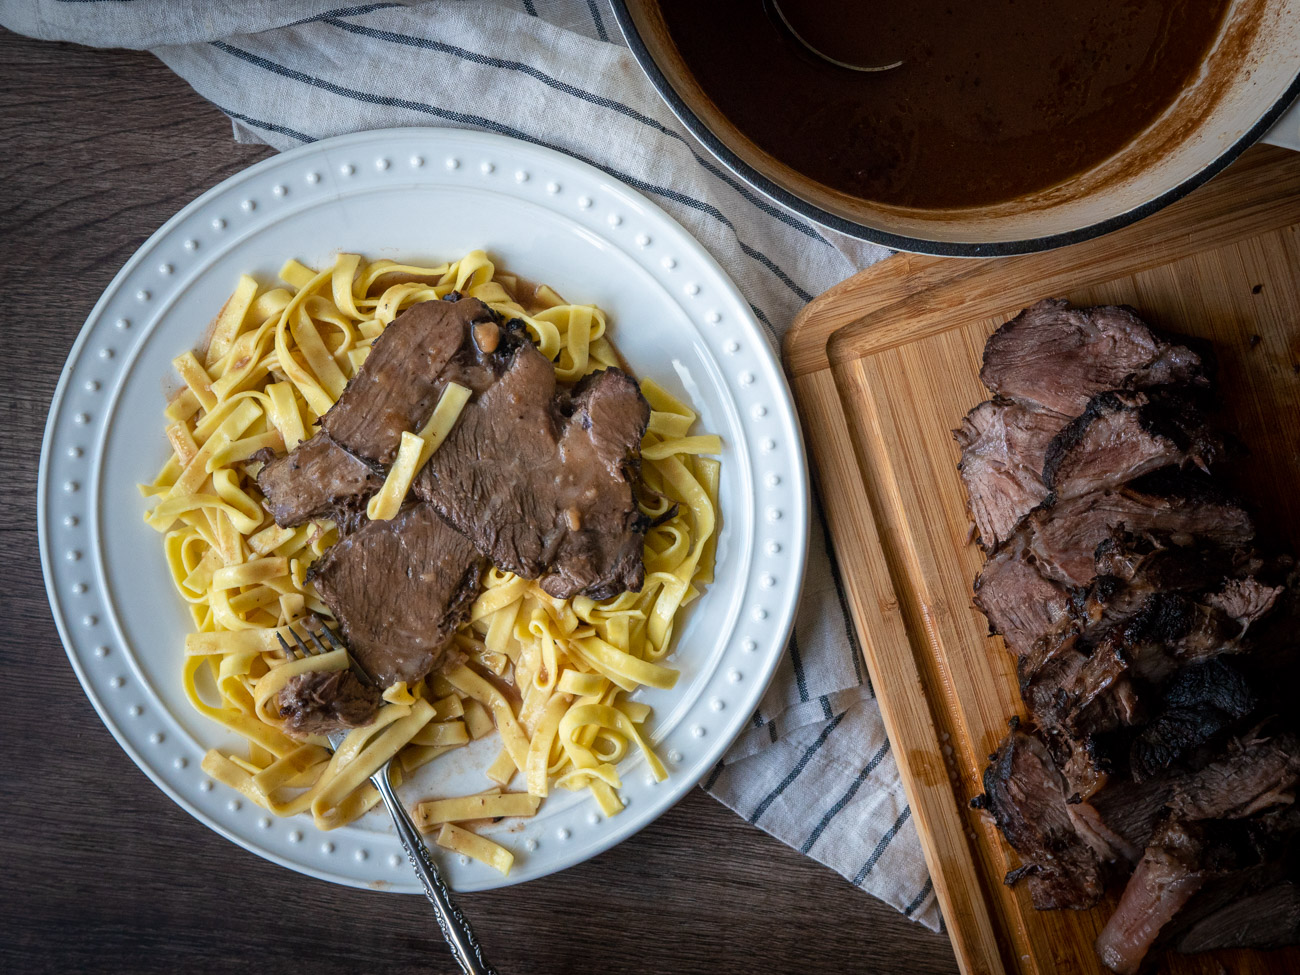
(813, 767)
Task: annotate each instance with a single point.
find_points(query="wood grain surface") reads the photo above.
(99, 871)
(884, 371)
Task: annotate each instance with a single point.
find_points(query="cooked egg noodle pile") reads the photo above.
(551, 676)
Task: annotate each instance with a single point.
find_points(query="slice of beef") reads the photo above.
(320, 703)
(317, 479)
(600, 543)
(1134, 809)
(395, 390)
(399, 589)
(1198, 704)
(1123, 435)
(1256, 772)
(1056, 357)
(1064, 847)
(1260, 917)
(1063, 538)
(1196, 867)
(1018, 601)
(1080, 693)
(1023, 587)
(1131, 567)
(1126, 635)
(542, 481)
(1246, 599)
(1002, 448)
(1152, 561)
(1172, 630)
(1174, 867)
(399, 384)
(1105, 681)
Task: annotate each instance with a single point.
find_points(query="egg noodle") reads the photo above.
(551, 676)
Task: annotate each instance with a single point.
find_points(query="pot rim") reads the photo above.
(920, 245)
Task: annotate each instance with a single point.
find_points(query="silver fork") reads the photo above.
(455, 927)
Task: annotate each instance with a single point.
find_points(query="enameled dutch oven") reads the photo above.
(1248, 81)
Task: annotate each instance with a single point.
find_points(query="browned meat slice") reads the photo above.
(399, 589)
(1134, 809)
(1064, 847)
(320, 703)
(1131, 567)
(1112, 677)
(542, 482)
(1256, 773)
(1082, 691)
(398, 385)
(1143, 562)
(599, 549)
(1123, 435)
(1199, 703)
(1023, 587)
(1255, 917)
(1246, 599)
(1063, 539)
(1002, 448)
(1171, 871)
(315, 480)
(1018, 601)
(1171, 630)
(1197, 867)
(1058, 357)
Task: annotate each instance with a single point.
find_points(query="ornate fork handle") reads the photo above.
(455, 927)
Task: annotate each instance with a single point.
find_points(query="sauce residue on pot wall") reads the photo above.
(993, 101)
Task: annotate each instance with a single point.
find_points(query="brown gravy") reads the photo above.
(994, 100)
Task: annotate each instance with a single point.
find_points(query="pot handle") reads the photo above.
(1286, 131)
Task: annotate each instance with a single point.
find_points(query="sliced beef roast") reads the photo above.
(1062, 852)
(1174, 867)
(1098, 682)
(1002, 448)
(1259, 771)
(1244, 916)
(1152, 639)
(1198, 704)
(1058, 544)
(395, 390)
(320, 703)
(541, 481)
(1185, 858)
(400, 381)
(1123, 435)
(1155, 561)
(1018, 600)
(1057, 358)
(399, 589)
(1063, 539)
(317, 479)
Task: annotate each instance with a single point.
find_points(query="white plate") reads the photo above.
(423, 194)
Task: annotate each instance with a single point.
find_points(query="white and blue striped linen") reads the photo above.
(814, 767)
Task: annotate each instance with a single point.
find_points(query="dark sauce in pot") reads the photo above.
(995, 99)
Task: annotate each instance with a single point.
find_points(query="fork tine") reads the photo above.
(288, 650)
(306, 650)
(332, 637)
(316, 640)
(317, 626)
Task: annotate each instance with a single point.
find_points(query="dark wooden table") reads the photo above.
(99, 871)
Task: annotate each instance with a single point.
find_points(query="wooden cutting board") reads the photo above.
(884, 366)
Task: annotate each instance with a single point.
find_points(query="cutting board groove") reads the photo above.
(885, 364)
